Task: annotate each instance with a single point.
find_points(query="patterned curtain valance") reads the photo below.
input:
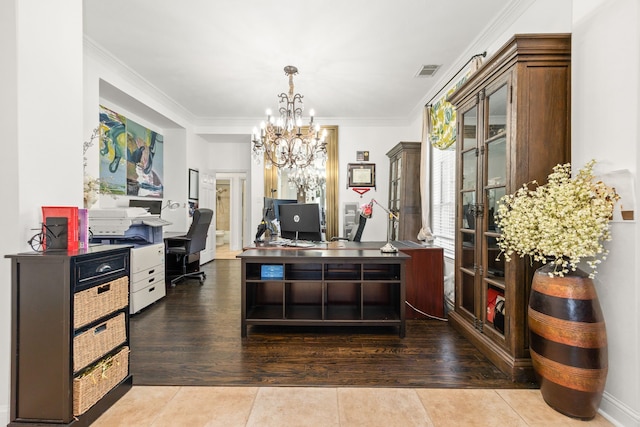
(442, 115)
(443, 119)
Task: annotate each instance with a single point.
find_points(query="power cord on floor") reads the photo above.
(425, 314)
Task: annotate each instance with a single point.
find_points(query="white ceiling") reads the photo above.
(357, 59)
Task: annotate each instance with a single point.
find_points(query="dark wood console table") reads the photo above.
(323, 287)
(425, 273)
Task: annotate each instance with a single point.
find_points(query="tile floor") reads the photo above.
(320, 407)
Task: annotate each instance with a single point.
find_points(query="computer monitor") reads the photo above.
(279, 202)
(300, 221)
(153, 206)
(272, 207)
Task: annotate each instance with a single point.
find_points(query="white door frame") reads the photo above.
(207, 199)
(237, 208)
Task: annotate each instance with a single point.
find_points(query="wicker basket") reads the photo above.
(97, 341)
(99, 380)
(94, 303)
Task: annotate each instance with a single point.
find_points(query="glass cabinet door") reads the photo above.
(393, 224)
(394, 195)
(494, 177)
(467, 222)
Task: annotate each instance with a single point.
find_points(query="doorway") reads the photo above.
(230, 207)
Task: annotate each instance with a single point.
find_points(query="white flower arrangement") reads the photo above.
(91, 190)
(564, 221)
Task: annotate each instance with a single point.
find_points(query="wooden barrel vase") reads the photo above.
(568, 342)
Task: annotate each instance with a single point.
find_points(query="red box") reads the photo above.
(492, 299)
(69, 212)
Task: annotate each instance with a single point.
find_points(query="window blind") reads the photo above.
(443, 198)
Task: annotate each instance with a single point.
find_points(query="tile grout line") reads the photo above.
(426, 410)
(253, 404)
(512, 408)
(338, 406)
(164, 407)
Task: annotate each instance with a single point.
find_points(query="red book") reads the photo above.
(56, 212)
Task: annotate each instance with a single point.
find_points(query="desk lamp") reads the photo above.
(172, 205)
(388, 248)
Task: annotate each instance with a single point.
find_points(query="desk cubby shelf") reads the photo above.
(323, 288)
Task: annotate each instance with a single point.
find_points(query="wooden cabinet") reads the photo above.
(404, 191)
(323, 288)
(69, 335)
(513, 126)
(425, 280)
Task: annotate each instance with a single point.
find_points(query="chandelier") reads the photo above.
(284, 142)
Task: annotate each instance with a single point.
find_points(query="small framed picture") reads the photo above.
(193, 184)
(361, 175)
(362, 156)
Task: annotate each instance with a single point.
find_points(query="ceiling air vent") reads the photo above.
(427, 70)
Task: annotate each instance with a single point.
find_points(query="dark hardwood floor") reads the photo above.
(192, 337)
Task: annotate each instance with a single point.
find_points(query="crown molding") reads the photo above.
(489, 36)
(173, 110)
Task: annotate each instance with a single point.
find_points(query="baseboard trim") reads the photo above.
(617, 412)
(4, 414)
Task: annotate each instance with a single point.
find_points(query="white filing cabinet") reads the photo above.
(147, 276)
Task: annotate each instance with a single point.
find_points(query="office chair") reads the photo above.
(355, 234)
(184, 247)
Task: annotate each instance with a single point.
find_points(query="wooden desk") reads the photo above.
(425, 272)
(323, 287)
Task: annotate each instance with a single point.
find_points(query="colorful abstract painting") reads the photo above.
(131, 156)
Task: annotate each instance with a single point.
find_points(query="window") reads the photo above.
(443, 206)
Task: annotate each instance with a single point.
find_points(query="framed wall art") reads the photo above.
(361, 175)
(131, 157)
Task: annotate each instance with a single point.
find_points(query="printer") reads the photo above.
(125, 225)
(143, 230)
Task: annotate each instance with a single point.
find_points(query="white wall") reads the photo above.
(10, 193)
(41, 118)
(176, 178)
(542, 16)
(606, 94)
(378, 141)
(229, 156)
